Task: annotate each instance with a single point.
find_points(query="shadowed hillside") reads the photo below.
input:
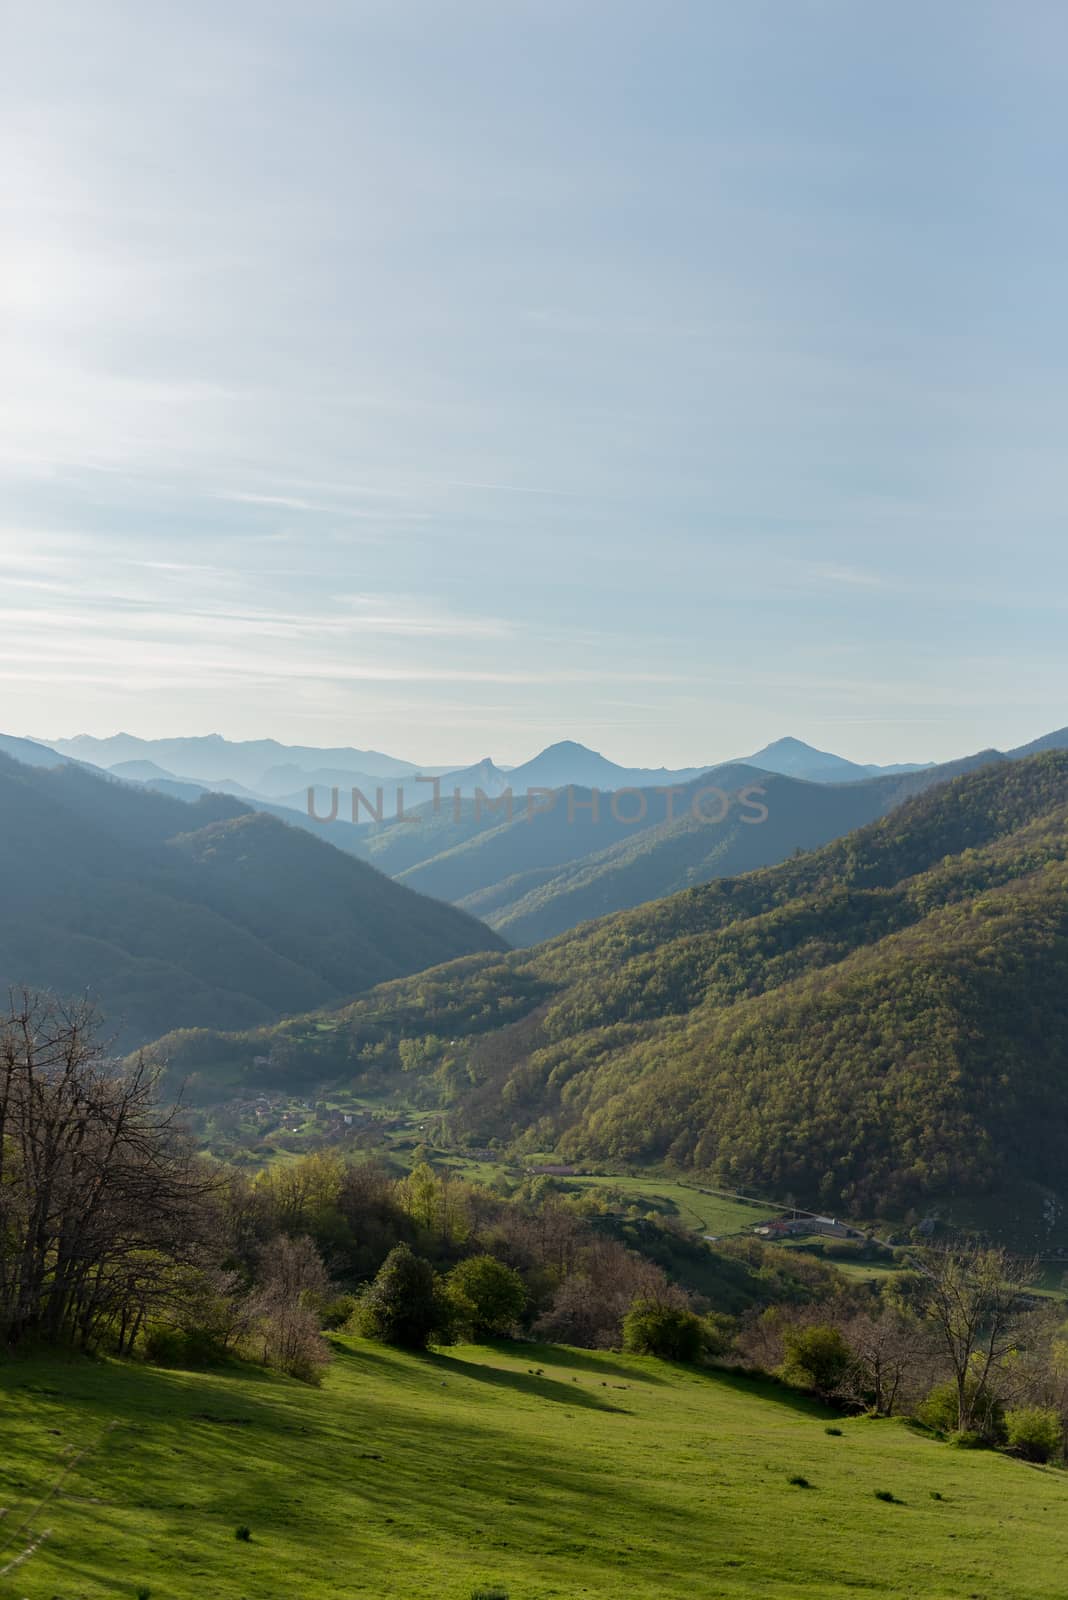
(173, 914)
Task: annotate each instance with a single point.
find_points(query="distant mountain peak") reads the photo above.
(569, 747)
(789, 745)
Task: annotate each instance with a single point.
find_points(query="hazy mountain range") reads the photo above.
(179, 914)
(534, 868)
(266, 769)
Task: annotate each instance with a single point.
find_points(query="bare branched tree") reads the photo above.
(102, 1202)
(975, 1300)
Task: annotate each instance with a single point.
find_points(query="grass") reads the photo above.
(704, 1212)
(433, 1478)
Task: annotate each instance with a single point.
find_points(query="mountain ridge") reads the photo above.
(186, 914)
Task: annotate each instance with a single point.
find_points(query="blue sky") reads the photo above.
(452, 378)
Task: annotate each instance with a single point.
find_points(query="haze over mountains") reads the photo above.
(534, 851)
(209, 757)
(275, 771)
(180, 914)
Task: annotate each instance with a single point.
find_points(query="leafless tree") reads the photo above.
(102, 1202)
(893, 1358)
(974, 1300)
(293, 1285)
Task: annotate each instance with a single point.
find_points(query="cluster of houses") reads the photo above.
(338, 1120)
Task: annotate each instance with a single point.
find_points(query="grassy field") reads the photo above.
(546, 1473)
(705, 1213)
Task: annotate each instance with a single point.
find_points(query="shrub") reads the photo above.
(489, 1594)
(1034, 1432)
(403, 1305)
(720, 1331)
(164, 1346)
(487, 1297)
(890, 1499)
(671, 1332)
(335, 1313)
(243, 1532)
(835, 1433)
(292, 1342)
(817, 1358)
(799, 1482)
(940, 1411)
(144, 1593)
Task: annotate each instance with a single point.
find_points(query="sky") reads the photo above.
(455, 376)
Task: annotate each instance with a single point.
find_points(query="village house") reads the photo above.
(794, 1227)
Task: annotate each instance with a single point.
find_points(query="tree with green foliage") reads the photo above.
(665, 1329)
(941, 1410)
(817, 1357)
(403, 1305)
(487, 1297)
(1034, 1432)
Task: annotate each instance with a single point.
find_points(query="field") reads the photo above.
(699, 1209)
(549, 1474)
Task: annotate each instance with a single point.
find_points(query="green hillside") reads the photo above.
(534, 1472)
(208, 914)
(870, 1025)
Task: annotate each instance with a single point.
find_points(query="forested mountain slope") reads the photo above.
(874, 1022)
(172, 914)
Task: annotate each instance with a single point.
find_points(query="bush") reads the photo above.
(243, 1532)
(890, 1499)
(403, 1305)
(940, 1411)
(292, 1342)
(799, 1482)
(164, 1346)
(489, 1594)
(817, 1358)
(835, 1433)
(720, 1332)
(1034, 1432)
(487, 1298)
(670, 1332)
(337, 1312)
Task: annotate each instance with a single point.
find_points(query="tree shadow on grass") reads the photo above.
(524, 1382)
(767, 1387)
(555, 1355)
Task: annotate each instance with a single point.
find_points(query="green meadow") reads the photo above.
(538, 1472)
